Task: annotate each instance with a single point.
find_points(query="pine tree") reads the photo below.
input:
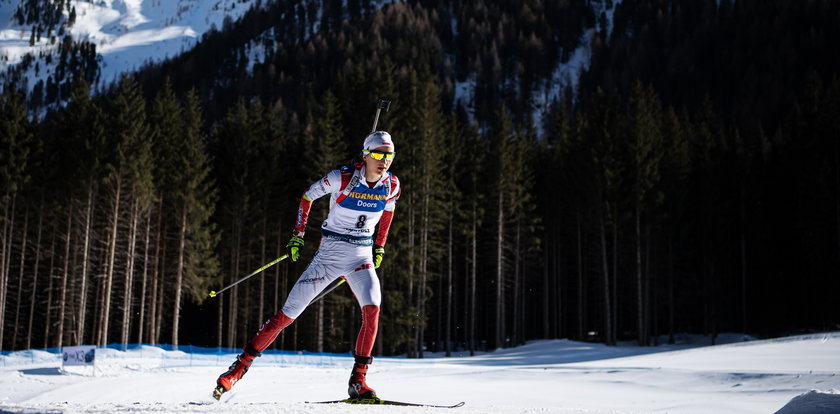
(503, 153)
(324, 154)
(165, 122)
(82, 126)
(196, 264)
(427, 142)
(601, 179)
(524, 222)
(128, 182)
(16, 137)
(646, 155)
(676, 166)
(470, 184)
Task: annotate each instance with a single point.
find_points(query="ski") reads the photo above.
(377, 401)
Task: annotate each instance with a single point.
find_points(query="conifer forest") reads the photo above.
(687, 182)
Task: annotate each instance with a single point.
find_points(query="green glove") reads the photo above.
(294, 245)
(378, 253)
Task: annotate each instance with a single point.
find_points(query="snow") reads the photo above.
(465, 95)
(127, 33)
(794, 375)
(565, 75)
(813, 402)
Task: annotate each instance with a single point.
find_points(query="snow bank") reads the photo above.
(813, 402)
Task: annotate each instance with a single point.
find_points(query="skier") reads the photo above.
(362, 195)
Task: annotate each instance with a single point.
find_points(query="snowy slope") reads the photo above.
(127, 33)
(131, 33)
(557, 376)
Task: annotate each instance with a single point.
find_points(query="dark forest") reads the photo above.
(688, 183)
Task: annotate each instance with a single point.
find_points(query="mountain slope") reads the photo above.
(118, 36)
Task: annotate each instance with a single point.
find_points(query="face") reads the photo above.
(379, 167)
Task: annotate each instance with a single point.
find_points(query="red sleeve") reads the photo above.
(384, 226)
(303, 214)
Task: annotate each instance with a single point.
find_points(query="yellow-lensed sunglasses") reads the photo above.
(379, 155)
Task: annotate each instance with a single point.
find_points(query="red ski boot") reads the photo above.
(236, 371)
(358, 388)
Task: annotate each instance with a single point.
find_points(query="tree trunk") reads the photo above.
(473, 272)
(412, 352)
(141, 323)
(517, 286)
(5, 259)
(128, 280)
(671, 277)
(616, 299)
(62, 302)
(558, 288)
(85, 262)
(20, 277)
(580, 292)
(743, 261)
(3, 248)
(651, 303)
(547, 286)
(220, 322)
(640, 297)
(319, 315)
(500, 268)
(424, 268)
(319, 326)
(605, 261)
(232, 299)
(35, 276)
(264, 242)
(154, 309)
(48, 308)
(109, 276)
(179, 275)
(449, 287)
(161, 297)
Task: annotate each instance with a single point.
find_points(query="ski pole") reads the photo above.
(380, 105)
(213, 293)
(328, 290)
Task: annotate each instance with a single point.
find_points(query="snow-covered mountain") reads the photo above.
(126, 33)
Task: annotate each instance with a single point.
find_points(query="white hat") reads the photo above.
(378, 139)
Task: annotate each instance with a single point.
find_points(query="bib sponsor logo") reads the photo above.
(311, 280)
(366, 196)
(361, 203)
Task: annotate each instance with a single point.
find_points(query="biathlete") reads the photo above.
(362, 196)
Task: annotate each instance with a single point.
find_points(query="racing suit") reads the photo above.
(345, 250)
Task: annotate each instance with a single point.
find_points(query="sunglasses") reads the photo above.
(379, 155)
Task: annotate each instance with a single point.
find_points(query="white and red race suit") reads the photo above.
(356, 207)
